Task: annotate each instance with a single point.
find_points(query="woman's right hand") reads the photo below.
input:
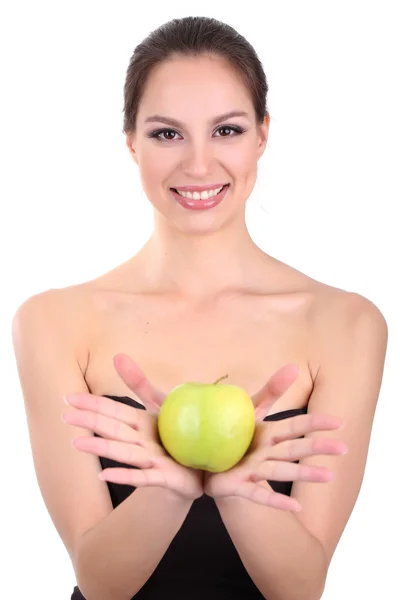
(130, 435)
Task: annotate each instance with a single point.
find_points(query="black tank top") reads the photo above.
(201, 561)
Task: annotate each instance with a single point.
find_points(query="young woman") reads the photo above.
(198, 301)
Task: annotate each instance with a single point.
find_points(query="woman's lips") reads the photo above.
(200, 204)
(200, 188)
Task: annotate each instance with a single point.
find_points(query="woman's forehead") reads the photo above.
(211, 92)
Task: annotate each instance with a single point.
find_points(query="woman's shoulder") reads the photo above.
(82, 305)
(70, 307)
(71, 301)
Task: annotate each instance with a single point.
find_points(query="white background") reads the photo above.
(325, 202)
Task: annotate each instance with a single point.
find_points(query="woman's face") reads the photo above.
(198, 149)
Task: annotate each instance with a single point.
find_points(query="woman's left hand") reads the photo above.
(273, 448)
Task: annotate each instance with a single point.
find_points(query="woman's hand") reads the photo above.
(273, 448)
(130, 436)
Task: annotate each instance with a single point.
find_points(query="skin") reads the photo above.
(129, 436)
(189, 250)
(186, 255)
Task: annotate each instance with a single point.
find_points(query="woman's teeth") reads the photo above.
(200, 196)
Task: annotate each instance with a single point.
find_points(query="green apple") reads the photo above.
(207, 426)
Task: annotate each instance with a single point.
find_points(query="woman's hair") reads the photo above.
(192, 37)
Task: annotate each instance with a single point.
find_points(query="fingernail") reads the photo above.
(65, 400)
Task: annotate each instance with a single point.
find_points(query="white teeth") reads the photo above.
(200, 196)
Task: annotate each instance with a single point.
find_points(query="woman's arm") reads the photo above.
(281, 556)
(288, 555)
(117, 556)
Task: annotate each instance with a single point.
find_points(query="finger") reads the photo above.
(279, 431)
(137, 381)
(275, 387)
(262, 495)
(135, 418)
(160, 475)
(292, 450)
(122, 452)
(272, 470)
(135, 477)
(104, 426)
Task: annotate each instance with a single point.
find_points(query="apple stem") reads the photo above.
(218, 380)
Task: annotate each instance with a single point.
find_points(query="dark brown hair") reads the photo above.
(192, 37)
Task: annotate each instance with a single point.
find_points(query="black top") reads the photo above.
(201, 560)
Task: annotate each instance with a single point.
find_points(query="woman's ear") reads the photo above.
(130, 144)
(263, 135)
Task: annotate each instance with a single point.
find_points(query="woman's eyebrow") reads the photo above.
(214, 121)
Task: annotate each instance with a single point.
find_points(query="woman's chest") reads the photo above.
(248, 339)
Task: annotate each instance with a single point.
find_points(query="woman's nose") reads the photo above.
(197, 160)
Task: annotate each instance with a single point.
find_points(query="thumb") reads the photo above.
(136, 380)
(274, 389)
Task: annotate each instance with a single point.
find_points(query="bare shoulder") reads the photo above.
(69, 299)
(336, 306)
(69, 307)
(339, 316)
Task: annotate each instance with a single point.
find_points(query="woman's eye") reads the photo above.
(157, 135)
(163, 131)
(167, 132)
(229, 128)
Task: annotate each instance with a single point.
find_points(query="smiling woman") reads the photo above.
(188, 75)
(199, 300)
